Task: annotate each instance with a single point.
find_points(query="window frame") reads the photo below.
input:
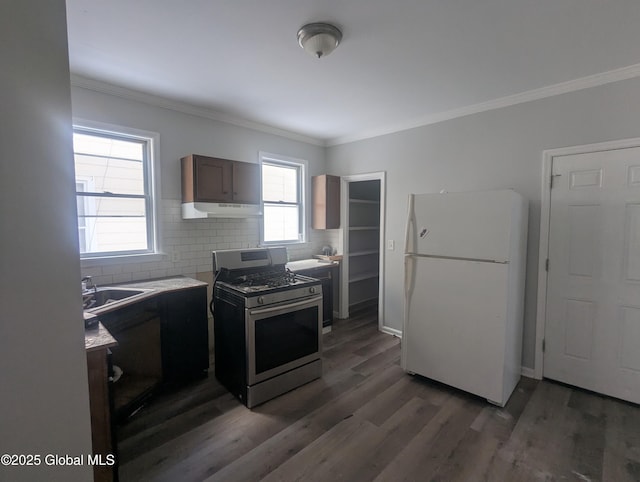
(151, 181)
(83, 182)
(301, 166)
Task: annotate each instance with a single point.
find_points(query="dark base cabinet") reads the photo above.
(230, 346)
(137, 356)
(162, 341)
(325, 275)
(103, 440)
(185, 335)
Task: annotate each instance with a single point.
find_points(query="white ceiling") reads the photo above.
(400, 63)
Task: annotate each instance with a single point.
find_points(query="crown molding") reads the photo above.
(186, 108)
(595, 80)
(582, 83)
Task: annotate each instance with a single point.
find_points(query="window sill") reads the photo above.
(282, 243)
(111, 260)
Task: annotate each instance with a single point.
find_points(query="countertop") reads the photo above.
(100, 337)
(151, 288)
(305, 264)
(160, 285)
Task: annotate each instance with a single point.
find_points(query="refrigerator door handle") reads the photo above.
(408, 291)
(408, 278)
(410, 224)
(408, 275)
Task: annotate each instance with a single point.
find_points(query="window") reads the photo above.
(85, 240)
(282, 196)
(114, 192)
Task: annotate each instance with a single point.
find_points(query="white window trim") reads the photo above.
(84, 181)
(304, 196)
(154, 171)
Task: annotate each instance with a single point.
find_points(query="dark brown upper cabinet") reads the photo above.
(246, 183)
(326, 202)
(214, 180)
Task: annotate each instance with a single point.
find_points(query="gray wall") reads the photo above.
(491, 150)
(187, 244)
(182, 134)
(44, 407)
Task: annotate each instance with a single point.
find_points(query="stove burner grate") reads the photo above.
(269, 279)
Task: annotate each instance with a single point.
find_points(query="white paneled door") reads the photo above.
(592, 331)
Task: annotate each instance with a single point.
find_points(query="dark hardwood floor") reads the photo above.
(368, 420)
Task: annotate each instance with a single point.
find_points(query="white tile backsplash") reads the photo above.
(188, 243)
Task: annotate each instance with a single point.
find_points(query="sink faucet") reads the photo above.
(89, 281)
(88, 298)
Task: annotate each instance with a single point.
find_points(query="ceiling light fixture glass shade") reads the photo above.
(319, 39)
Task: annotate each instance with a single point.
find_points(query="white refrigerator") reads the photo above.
(464, 290)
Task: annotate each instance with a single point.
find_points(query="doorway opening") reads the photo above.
(362, 268)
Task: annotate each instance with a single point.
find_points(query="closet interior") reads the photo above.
(363, 243)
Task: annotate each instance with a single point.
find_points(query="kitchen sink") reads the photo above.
(105, 295)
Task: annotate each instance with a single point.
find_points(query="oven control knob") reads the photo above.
(312, 289)
(260, 300)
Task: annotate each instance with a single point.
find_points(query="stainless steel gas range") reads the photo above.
(267, 324)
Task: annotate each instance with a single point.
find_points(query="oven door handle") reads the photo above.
(288, 306)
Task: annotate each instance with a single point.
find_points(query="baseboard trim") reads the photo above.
(391, 331)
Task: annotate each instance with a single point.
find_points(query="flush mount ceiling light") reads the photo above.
(319, 39)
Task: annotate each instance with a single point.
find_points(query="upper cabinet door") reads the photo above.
(325, 191)
(213, 179)
(246, 183)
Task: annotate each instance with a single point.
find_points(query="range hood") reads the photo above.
(195, 210)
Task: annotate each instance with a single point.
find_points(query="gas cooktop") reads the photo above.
(273, 285)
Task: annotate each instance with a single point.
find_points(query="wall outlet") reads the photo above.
(391, 244)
